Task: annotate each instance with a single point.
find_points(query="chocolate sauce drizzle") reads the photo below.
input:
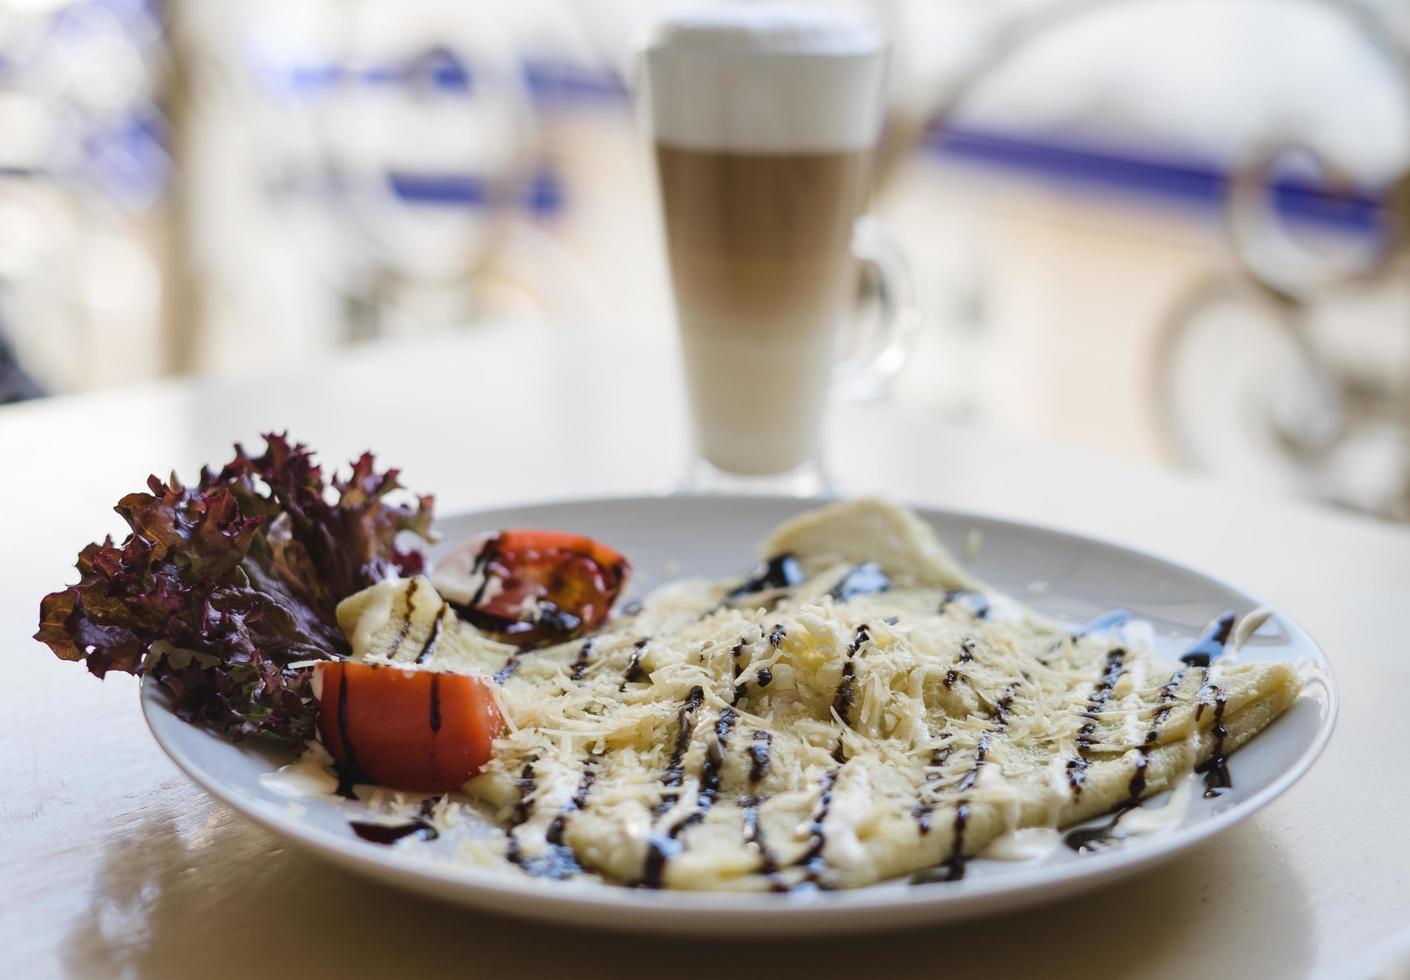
(1104, 623)
(754, 835)
(555, 619)
(349, 772)
(558, 860)
(1084, 840)
(1209, 647)
(865, 579)
(634, 673)
(429, 647)
(405, 626)
(779, 572)
(1216, 767)
(1004, 704)
(1101, 693)
(952, 869)
(1164, 706)
(516, 658)
(923, 808)
(714, 761)
(976, 602)
(966, 655)
(955, 863)
(685, 723)
(488, 552)
(763, 677)
(384, 833)
(580, 663)
(709, 785)
(661, 847)
(381, 833)
(554, 834)
(736, 654)
(527, 784)
(511, 666)
(812, 861)
(759, 747)
(1211, 643)
(520, 816)
(846, 691)
(1088, 839)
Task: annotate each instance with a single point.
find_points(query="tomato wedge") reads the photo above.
(418, 730)
(537, 587)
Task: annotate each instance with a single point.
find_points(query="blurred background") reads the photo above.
(1169, 229)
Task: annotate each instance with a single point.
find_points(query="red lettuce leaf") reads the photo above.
(238, 577)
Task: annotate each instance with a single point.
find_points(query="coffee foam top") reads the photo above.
(765, 78)
(766, 29)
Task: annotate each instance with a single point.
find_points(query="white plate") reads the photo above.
(715, 536)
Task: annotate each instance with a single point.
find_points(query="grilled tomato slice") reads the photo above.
(533, 587)
(419, 730)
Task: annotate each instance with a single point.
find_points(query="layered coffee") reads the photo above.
(764, 122)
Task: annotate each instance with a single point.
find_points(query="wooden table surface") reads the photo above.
(111, 863)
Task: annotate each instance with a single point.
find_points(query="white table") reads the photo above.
(111, 862)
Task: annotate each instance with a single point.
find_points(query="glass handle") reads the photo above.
(884, 340)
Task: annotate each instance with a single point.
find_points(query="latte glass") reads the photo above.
(764, 122)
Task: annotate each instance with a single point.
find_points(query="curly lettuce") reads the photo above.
(234, 581)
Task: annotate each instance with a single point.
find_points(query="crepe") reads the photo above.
(859, 709)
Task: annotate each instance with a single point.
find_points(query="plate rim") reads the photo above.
(659, 910)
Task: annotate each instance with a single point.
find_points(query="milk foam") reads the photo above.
(765, 79)
(766, 29)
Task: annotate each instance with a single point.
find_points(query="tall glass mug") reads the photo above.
(764, 121)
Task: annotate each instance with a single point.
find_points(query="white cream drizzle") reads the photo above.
(311, 776)
(850, 805)
(1015, 844)
(493, 587)
(1023, 844)
(1250, 624)
(1145, 820)
(456, 577)
(375, 616)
